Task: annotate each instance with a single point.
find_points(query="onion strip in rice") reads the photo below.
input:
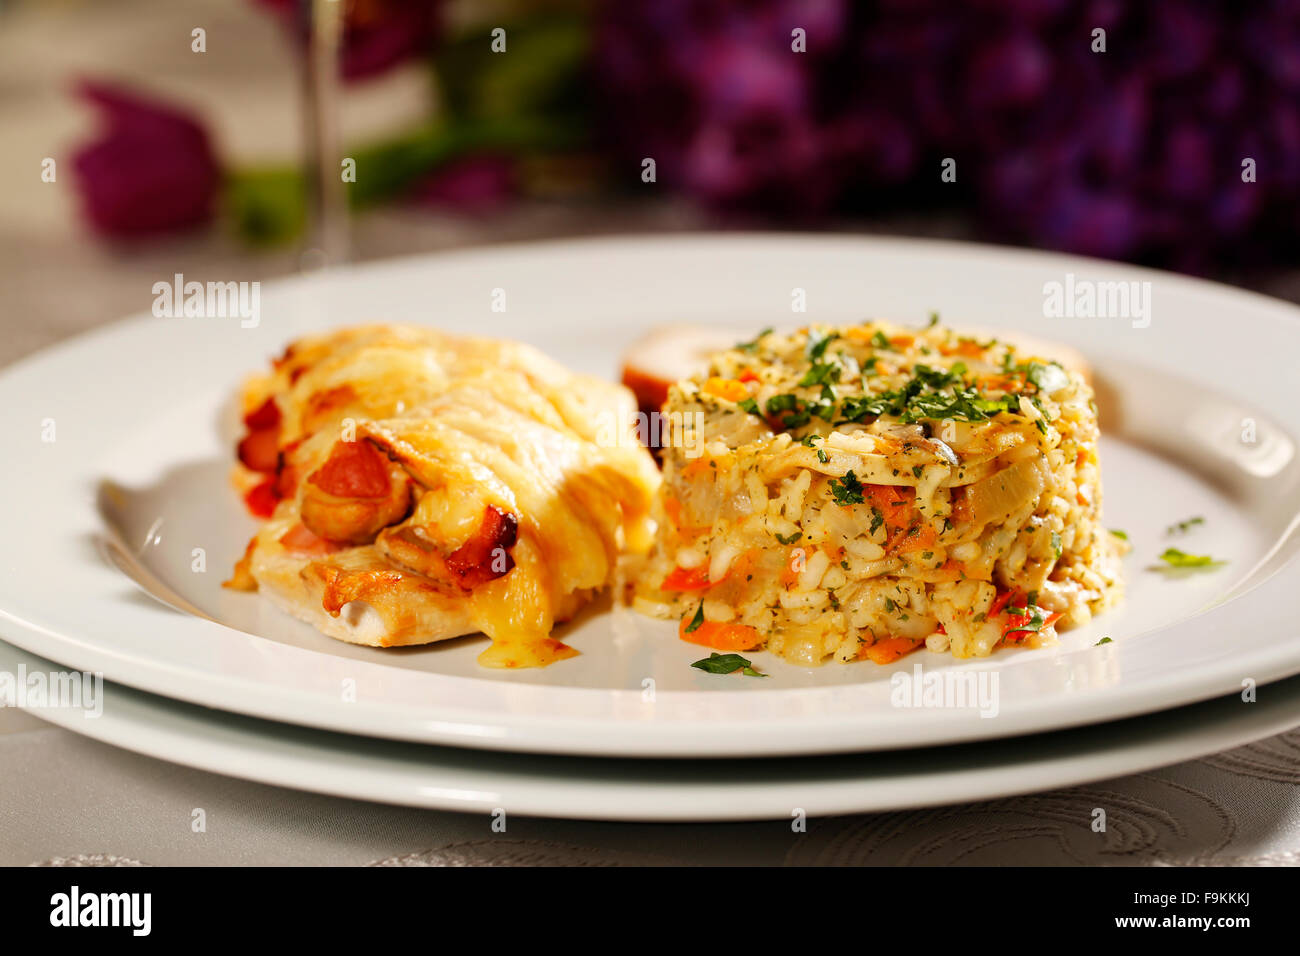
(1000, 495)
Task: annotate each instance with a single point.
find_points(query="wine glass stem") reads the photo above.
(327, 201)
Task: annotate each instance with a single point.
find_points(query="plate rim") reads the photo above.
(275, 754)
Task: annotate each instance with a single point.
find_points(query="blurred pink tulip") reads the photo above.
(151, 170)
(470, 184)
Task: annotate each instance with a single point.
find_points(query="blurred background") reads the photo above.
(147, 137)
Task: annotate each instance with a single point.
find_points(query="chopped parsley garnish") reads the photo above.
(797, 419)
(938, 378)
(717, 663)
(919, 400)
(821, 373)
(817, 343)
(825, 406)
(1056, 544)
(847, 490)
(1122, 535)
(1104, 640)
(790, 538)
(1183, 527)
(1037, 620)
(696, 621)
(855, 409)
(930, 394)
(782, 403)
(934, 320)
(786, 402)
(810, 440)
(917, 470)
(752, 344)
(1181, 559)
(877, 519)
(751, 406)
(1047, 378)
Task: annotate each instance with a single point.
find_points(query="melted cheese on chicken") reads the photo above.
(419, 486)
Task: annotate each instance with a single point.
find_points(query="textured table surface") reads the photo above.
(65, 799)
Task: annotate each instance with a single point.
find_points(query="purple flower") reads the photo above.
(471, 184)
(730, 112)
(152, 169)
(1010, 72)
(1134, 152)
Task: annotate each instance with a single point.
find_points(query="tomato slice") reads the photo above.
(354, 469)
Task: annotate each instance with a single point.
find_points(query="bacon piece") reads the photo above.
(259, 449)
(266, 415)
(486, 555)
(263, 498)
(302, 540)
(286, 473)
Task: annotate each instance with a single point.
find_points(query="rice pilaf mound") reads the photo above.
(859, 492)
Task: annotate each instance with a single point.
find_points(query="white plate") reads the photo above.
(143, 425)
(447, 778)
